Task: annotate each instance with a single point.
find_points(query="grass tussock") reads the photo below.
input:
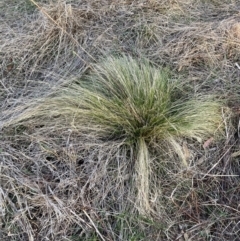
(54, 34)
(211, 44)
(123, 99)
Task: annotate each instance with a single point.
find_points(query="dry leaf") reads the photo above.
(208, 143)
(185, 235)
(186, 152)
(235, 30)
(235, 154)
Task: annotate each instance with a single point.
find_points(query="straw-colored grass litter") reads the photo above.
(94, 147)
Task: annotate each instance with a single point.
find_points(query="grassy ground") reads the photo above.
(60, 181)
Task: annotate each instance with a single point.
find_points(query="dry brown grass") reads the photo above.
(60, 184)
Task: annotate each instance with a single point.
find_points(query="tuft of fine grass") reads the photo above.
(129, 100)
(125, 99)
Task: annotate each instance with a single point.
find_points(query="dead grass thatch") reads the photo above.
(59, 183)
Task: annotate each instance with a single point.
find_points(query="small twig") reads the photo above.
(221, 205)
(237, 65)
(94, 225)
(207, 174)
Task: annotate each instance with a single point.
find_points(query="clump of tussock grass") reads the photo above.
(203, 44)
(53, 36)
(38, 52)
(122, 99)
